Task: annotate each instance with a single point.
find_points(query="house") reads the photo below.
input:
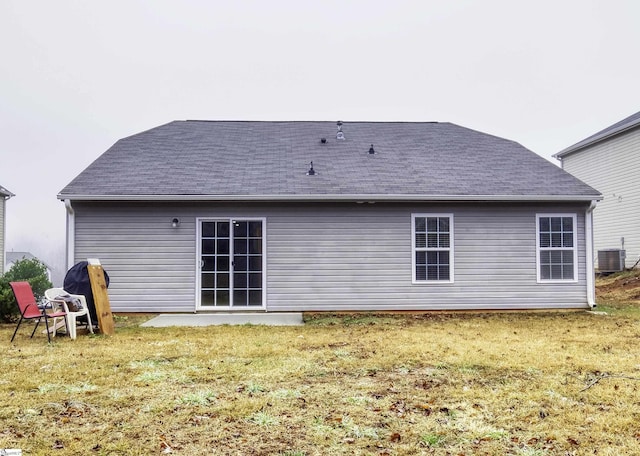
(197, 216)
(13, 257)
(4, 196)
(610, 161)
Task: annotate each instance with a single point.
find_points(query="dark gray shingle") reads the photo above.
(270, 159)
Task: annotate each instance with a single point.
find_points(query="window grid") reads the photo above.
(556, 247)
(432, 245)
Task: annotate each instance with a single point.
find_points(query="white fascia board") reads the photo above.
(333, 197)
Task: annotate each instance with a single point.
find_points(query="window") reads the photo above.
(557, 251)
(432, 248)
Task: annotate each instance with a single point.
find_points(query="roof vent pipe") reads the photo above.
(340, 135)
(371, 150)
(311, 171)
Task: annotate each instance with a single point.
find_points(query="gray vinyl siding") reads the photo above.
(323, 256)
(613, 168)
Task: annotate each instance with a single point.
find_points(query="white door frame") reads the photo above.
(198, 264)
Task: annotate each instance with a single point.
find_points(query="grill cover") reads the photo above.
(76, 281)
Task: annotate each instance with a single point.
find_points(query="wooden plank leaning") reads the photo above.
(101, 298)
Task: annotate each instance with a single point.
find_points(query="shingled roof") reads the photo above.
(235, 160)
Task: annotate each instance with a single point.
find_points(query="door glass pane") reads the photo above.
(208, 229)
(239, 280)
(208, 246)
(239, 246)
(240, 229)
(239, 297)
(222, 280)
(255, 297)
(223, 229)
(208, 280)
(222, 263)
(222, 297)
(255, 280)
(255, 263)
(239, 263)
(255, 246)
(223, 246)
(208, 263)
(206, 298)
(255, 229)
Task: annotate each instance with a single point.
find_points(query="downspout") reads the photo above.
(3, 235)
(3, 244)
(591, 285)
(71, 234)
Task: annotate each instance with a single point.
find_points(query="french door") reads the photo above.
(231, 269)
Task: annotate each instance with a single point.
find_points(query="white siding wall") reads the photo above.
(3, 203)
(613, 168)
(330, 256)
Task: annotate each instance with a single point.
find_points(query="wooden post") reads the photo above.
(101, 298)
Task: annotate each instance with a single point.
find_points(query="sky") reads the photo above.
(76, 76)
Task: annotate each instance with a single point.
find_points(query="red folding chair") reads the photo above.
(29, 309)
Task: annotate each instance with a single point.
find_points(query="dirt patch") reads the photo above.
(622, 283)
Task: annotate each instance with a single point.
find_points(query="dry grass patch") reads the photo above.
(619, 293)
(518, 384)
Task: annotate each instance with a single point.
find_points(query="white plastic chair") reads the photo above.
(54, 295)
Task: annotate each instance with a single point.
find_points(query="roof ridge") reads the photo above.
(317, 121)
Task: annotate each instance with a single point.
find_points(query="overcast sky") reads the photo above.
(76, 76)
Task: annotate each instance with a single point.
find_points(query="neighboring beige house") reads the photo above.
(610, 162)
(4, 196)
(13, 257)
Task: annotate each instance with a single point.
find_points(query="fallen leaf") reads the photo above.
(395, 437)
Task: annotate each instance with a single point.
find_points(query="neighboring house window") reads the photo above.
(557, 253)
(432, 247)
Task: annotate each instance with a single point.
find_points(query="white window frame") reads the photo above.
(539, 249)
(415, 249)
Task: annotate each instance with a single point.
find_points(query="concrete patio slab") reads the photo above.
(211, 319)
